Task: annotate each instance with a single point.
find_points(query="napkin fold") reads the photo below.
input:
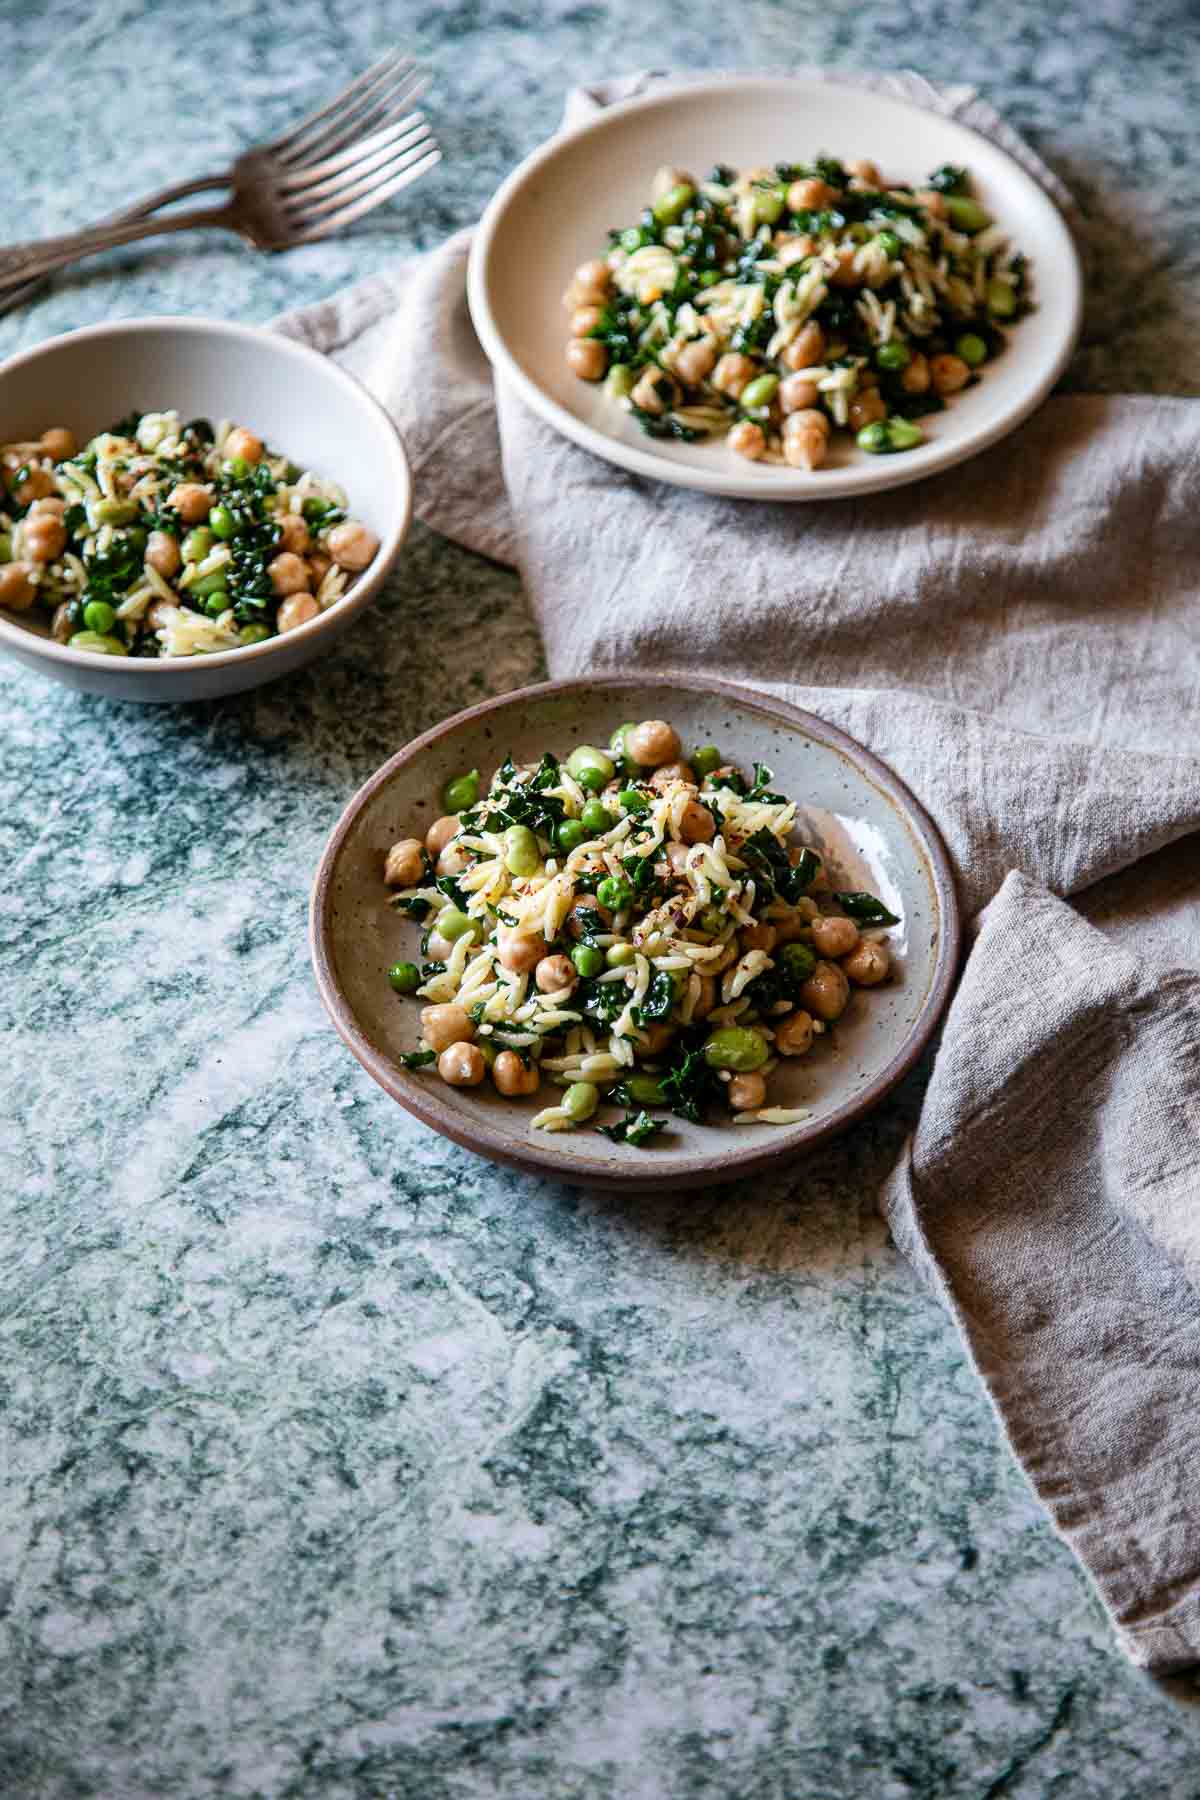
(1020, 640)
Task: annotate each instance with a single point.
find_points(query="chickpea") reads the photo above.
(669, 773)
(61, 627)
(162, 552)
(696, 824)
(794, 1035)
(844, 274)
(590, 284)
(949, 373)
(297, 609)
(520, 951)
(826, 992)
(462, 1065)
(584, 320)
(655, 391)
(748, 439)
(797, 394)
(587, 358)
(192, 502)
(352, 545)
(867, 172)
(45, 537)
(319, 566)
(869, 964)
(932, 201)
(36, 485)
(405, 863)
(866, 408)
(294, 534)
(733, 373)
(788, 927)
(579, 917)
(834, 936)
(243, 443)
(746, 1093)
(916, 378)
(807, 348)
(695, 361)
(653, 743)
(58, 443)
(810, 195)
(440, 833)
(805, 439)
(16, 589)
(794, 250)
(442, 1026)
(511, 1076)
(288, 572)
(453, 860)
(759, 937)
(555, 975)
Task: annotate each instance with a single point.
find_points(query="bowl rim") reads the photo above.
(421, 1098)
(363, 590)
(786, 486)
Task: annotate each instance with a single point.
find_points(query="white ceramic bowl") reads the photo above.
(555, 209)
(297, 400)
(868, 827)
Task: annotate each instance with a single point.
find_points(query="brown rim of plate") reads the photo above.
(421, 1098)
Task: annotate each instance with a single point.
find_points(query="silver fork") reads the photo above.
(334, 166)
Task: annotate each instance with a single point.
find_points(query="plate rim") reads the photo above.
(793, 486)
(420, 1099)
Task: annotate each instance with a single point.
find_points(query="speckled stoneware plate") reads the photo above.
(869, 828)
(554, 212)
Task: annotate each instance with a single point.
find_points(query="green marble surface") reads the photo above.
(335, 1461)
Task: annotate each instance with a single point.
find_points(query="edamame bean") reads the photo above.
(208, 584)
(222, 522)
(971, 347)
(905, 435)
(616, 742)
(768, 205)
(632, 800)
(216, 603)
(99, 616)
(197, 544)
(620, 381)
(620, 956)
(588, 960)
(114, 512)
(734, 1047)
(1001, 298)
(451, 923)
(966, 215)
(758, 392)
(596, 818)
(462, 792)
(581, 1100)
(236, 467)
(615, 893)
(893, 356)
(705, 760)
(521, 855)
(797, 961)
(405, 977)
(888, 435)
(645, 1090)
(590, 767)
(671, 206)
(95, 640)
(254, 634)
(570, 834)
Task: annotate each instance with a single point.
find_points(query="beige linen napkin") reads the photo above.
(1020, 640)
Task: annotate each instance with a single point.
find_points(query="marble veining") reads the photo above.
(335, 1461)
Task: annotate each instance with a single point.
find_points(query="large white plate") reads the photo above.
(555, 209)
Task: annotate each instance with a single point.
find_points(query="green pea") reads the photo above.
(113, 512)
(405, 977)
(208, 584)
(632, 800)
(254, 634)
(98, 641)
(236, 467)
(758, 392)
(222, 522)
(712, 921)
(620, 381)
(705, 760)
(615, 893)
(616, 742)
(1001, 298)
(581, 1100)
(620, 956)
(197, 544)
(736, 1048)
(905, 435)
(521, 853)
(875, 438)
(462, 792)
(645, 1090)
(596, 818)
(893, 356)
(971, 347)
(588, 960)
(99, 616)
(570, 834)
(590, 767)
(889, 243)
(797, 961)
(216, 603)
(5, 547)
(453, 923)
(669, 207)
(967, 215)
(768, 205)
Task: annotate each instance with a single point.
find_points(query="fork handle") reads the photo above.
(22, 262)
